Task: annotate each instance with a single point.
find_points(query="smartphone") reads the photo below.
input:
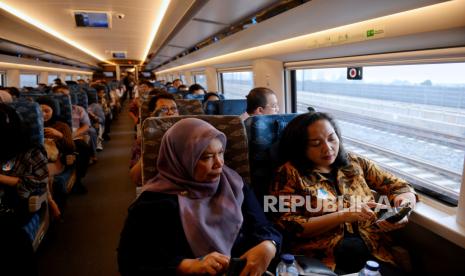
(236, 265)
(394, 216)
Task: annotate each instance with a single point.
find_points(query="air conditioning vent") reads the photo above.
(91, 19)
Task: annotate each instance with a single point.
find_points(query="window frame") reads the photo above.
(220, 73)
(29, 73)
(447, 55)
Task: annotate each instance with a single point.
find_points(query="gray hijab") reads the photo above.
(210, 213)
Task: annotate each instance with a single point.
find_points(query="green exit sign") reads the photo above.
(371, 33)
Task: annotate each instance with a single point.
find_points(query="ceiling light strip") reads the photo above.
(49, 30)
(42, 68)
(155, 26)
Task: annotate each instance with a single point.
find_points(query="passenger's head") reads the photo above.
(14, 92)
(196, 89)
(100, 91)
(163, 105)
(210, 97)
(145, 87)
(183, 88)
(177, 83)
(49, 111)
(262, 100)
(61, 89)
(313, 141)
(195, 155)
(13, 138)
(57, 81)
(5, 97)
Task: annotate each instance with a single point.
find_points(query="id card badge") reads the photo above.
(8, 166)
(322, 194)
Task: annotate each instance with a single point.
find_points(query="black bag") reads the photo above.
(13, 210)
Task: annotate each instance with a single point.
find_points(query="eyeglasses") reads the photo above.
(165, 109)
(274, 106)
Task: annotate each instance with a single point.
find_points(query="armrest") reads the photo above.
(311, 266)
(35, 202)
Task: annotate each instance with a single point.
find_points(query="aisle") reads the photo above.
(85, 243)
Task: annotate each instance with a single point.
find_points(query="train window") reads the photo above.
(68, 77)
(28, 80)
(236, 85)
(200, 79)
(183, 78)
(408, 118)
(2, 79)
(51, 78)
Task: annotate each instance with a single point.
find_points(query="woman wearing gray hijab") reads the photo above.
(196, 213)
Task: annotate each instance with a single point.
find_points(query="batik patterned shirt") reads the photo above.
(358, 178)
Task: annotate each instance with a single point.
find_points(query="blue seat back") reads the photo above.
(172, 89)
(91, 96)
(32, 118)
(194, 97)
(263, 134)
(63, 100)
(74, 97)
(65, 108)
(81, 99)
(212, 108)
(232, 107)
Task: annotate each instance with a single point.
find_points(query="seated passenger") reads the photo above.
(14, 92)
(23, 172)
(81, 130)
(177, 83)
(210, 97)
(261, 101)
(345, 236)
(196, 89)
(162, 105)
(207, 213)
(62, 139)
(183, 89)
(5, 97)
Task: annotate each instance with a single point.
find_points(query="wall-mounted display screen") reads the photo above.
(91, 19)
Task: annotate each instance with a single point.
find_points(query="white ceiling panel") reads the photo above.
(194, 32)
(131, 34)
(228, 12)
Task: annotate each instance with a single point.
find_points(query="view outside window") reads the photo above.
(28, 80)
(408, 118)
(201, 79)
(51, 78)
(68, 77)
(2, 79)
(236, 85)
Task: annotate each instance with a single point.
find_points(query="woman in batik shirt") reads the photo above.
(337, 224)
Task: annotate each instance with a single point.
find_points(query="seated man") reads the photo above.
(163, 105)
(261, 101)
(177, 83)
(196, 89)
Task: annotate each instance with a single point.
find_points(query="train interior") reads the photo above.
(390, 72)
